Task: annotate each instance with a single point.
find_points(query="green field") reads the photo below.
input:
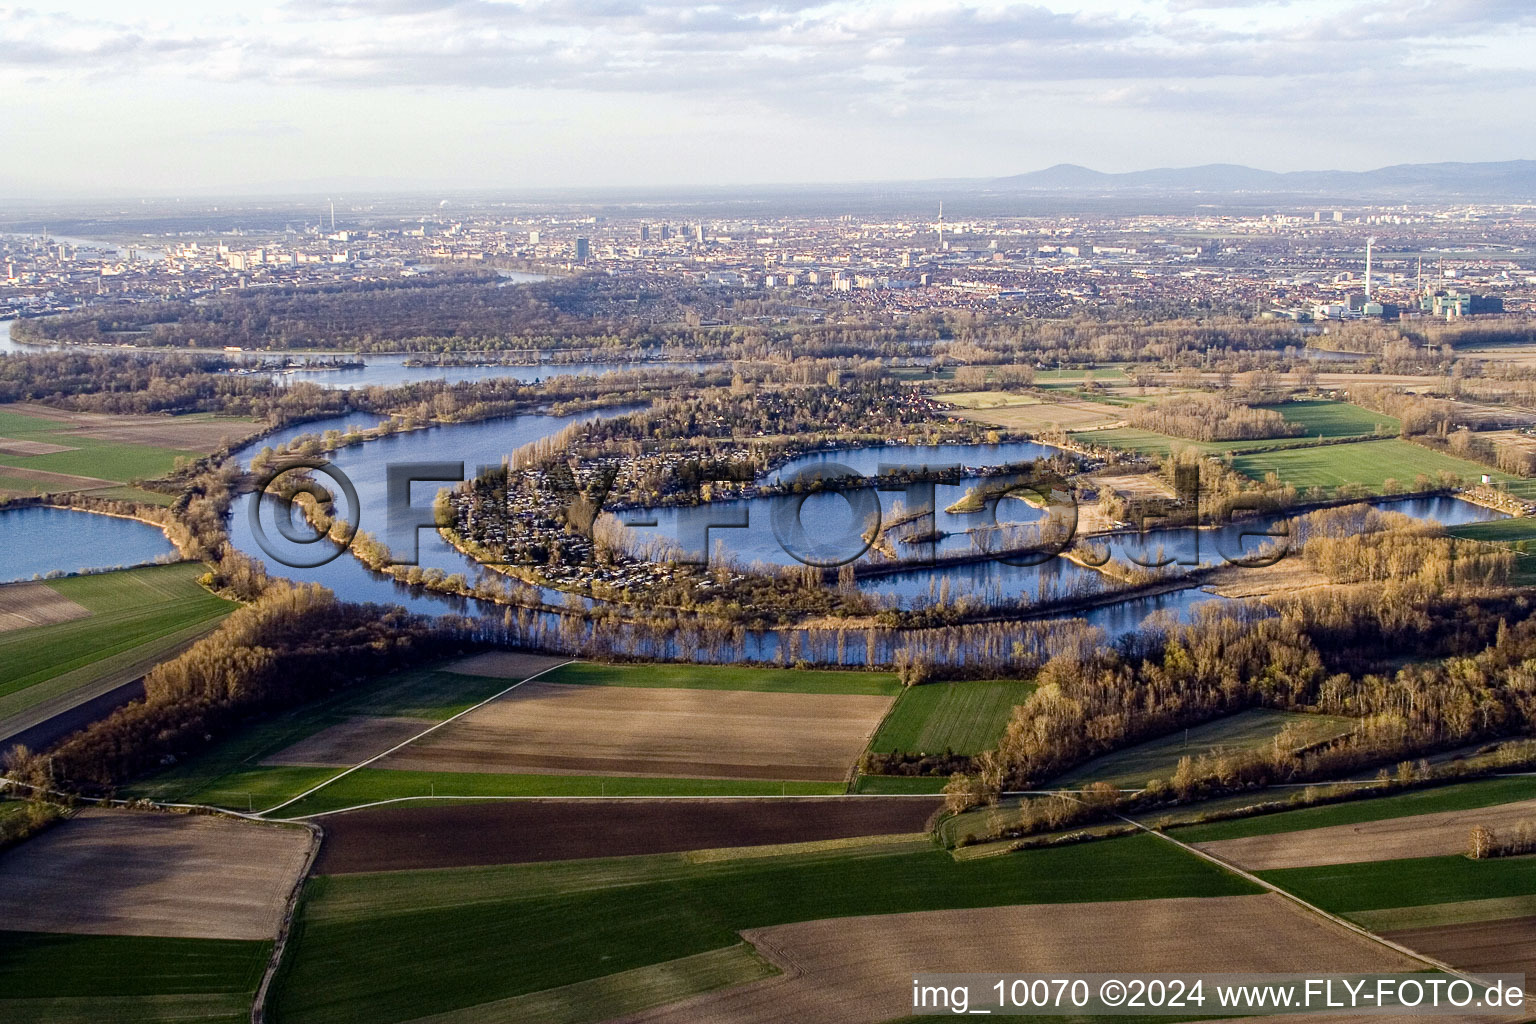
(1133, 439)
(1455, 797)
(137, 615)
(601, 999)
(1515, 530)
(1381, 885)
(49, 978)
(1323, 418)
(1320, 418)
(91, 457)
(1370, 463)
(399, 945)
(1254, 729)
(726, 677)
(961, 717)
(899, 785)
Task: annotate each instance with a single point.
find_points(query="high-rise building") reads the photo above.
(583, 250)
(645, 232)
(666, 232)
(698, 234)
(533, 238)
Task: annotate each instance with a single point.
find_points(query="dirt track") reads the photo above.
(1420, 835)
(859, 969)
(616, 730)
(130, 873)
(518, 831)
(35, 604)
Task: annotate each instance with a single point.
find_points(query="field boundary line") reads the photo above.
(398, 746)
(1335, 919)
(285, 927)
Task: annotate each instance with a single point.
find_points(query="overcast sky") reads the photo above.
(166, 96)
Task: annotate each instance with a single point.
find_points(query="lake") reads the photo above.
(478, 444)
(42, 541)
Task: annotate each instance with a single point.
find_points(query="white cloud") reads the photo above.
(1187, 67)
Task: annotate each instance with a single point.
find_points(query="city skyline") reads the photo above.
(176, 98)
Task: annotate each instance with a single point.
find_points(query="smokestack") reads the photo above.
(1368, 243)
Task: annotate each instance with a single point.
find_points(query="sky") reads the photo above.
(165, 97)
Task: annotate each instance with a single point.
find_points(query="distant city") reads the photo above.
(1319, 265)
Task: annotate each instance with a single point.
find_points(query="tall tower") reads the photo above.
(941, 223)
(1369, 242)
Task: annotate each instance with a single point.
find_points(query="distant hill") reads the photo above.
(1505, 179)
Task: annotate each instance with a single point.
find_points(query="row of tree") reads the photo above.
(291, 645)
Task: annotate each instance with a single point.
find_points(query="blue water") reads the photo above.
(473, 444)
(39, 541)
(823, 517)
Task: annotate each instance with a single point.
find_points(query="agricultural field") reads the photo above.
(1421, 835)
(35, 604)
(721, 677)
(960, 717)
(289, 754)
(66, 979)
(1413, 882)
(1519, 531)
(1254, 729)
(1321, 417)
(1478, 915)
(43, 449)
(988, 399)
(1431, 800)
(140, 873)
(554, 728)
(1367, 463)
(133, 619)
(1133, 439)
(512, 832)
(399, 945)
(232, 774)
(829, 965)
(1032, 414)
(143, 917)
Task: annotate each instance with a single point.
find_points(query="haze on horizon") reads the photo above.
(170, 97)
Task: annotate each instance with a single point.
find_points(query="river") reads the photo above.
(485, 443)
(390, 371)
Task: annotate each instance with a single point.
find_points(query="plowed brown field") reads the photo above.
(129, 873)
(615, 730)
(520, 831)
(858, 969)
(1419, 835)
(34, 604)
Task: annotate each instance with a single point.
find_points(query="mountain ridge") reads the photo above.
(1502, 177)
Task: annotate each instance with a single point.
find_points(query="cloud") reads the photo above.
(903, 58)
